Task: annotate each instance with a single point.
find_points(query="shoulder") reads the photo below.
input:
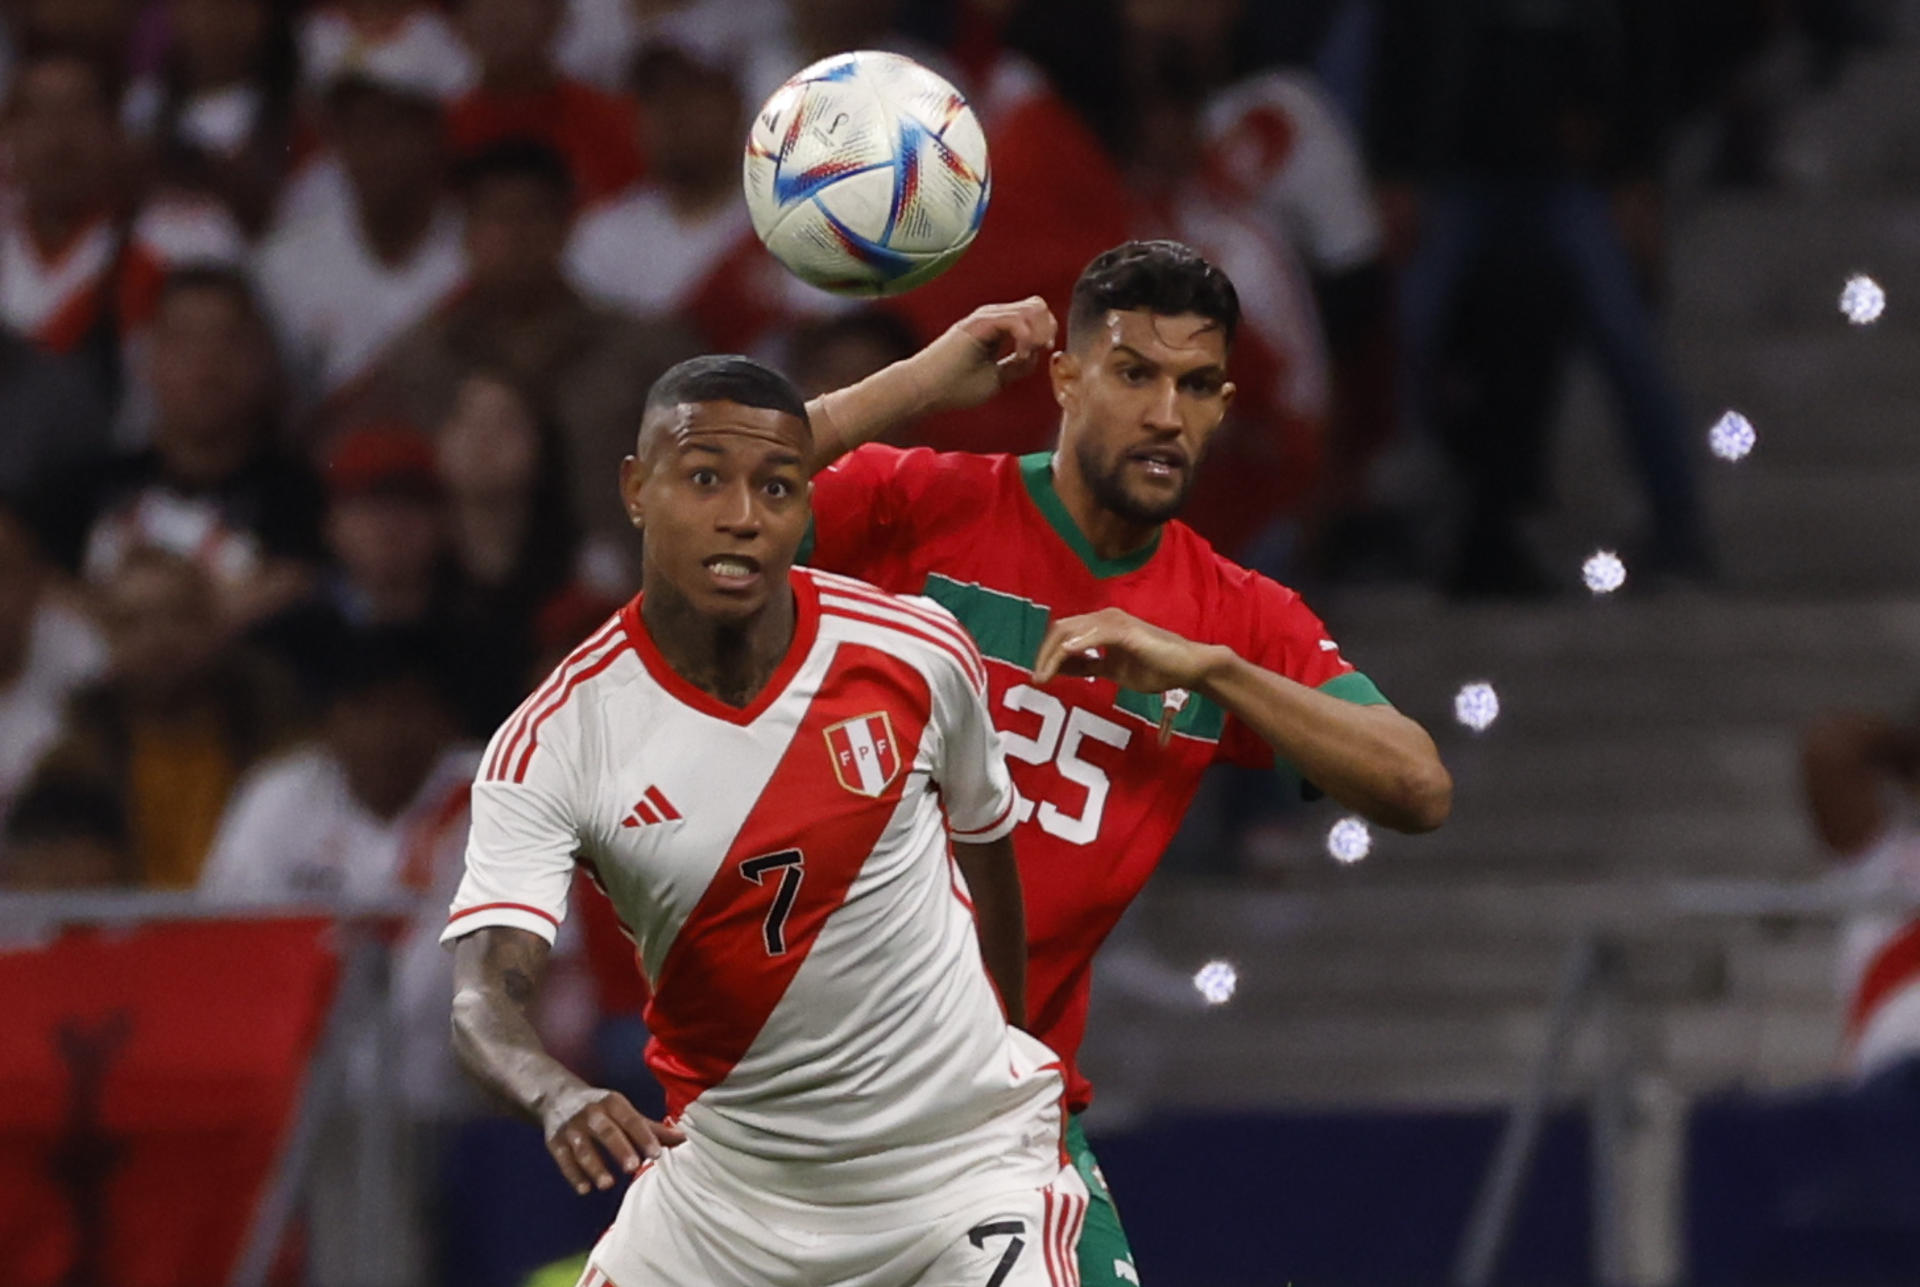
(615, 220)
(908, 626)
(293, 781)
(920, 468)
(1228, 591)
(301, 254)
(558, 715)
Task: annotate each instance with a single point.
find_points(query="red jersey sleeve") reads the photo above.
(1279, 632)
(863, 507)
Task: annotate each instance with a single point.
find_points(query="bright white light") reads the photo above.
(1604, 572)
(1215, 982)
(1476, 706)
(1349, 840)
(1862, 300)
(1732, 436)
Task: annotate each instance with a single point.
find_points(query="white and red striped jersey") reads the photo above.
(817, 989)
(1879, 957)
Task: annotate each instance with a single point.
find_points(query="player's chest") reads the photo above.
(683, 794)
(1007, 610)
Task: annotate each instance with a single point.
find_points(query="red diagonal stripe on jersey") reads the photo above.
(718, 985)
(644, 811)
(1894, 966)
(658, 798)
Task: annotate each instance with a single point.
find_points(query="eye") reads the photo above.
(779, 488)
(703, 477)
(1134, 374)
(1204, 385)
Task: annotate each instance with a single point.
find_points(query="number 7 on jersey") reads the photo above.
(790, 863)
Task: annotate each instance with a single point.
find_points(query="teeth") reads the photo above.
(731, 567)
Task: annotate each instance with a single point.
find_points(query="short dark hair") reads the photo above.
(727, 377)
(1163, 277)
(517, 157)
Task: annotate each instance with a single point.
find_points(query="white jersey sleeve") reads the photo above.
(524, 836)
(975, 786)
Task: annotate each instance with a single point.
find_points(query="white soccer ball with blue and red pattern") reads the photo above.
(866, 174)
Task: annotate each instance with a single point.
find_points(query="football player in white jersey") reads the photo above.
(788, 784)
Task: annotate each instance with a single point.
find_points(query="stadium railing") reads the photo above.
(1593, 994)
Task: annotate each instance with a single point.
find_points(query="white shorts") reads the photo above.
(675, 1229)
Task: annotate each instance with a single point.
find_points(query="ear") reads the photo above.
(633, 477)
(1063, 368)
(1227, 391)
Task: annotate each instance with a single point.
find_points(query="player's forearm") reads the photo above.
(1372, 759)
(497, 974)
(864, 412)
(993, 881)
(963, 367)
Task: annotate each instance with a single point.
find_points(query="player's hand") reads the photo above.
(1112, 644)
(987, 349)
(587, 1116)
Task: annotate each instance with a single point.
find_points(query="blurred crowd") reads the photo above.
(323, 327)
(325, 323)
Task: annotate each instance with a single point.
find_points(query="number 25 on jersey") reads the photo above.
(1062, 734)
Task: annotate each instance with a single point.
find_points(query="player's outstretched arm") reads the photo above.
(1372, 759)
(993, 879)
(992, 346)
(496, 975)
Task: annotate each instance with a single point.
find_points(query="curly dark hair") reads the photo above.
(1164, 277)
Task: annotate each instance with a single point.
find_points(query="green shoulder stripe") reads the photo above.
(1356, 688)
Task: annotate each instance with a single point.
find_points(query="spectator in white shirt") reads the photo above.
(347, 278)
(47, 650)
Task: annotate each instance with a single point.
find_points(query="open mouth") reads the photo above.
(733, 571)
(1160, 462)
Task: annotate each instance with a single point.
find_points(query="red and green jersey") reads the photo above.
(988, 537)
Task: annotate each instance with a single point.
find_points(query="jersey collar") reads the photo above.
(1037, 471)
(806, 628)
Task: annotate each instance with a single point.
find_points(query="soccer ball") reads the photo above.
(866, 174)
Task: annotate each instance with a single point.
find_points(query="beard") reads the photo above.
(1106, 480)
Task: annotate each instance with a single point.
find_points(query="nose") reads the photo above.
(738, 513)
(1163, 407)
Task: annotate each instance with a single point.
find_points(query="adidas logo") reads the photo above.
(651, 808)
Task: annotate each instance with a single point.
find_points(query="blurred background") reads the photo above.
(323, 327)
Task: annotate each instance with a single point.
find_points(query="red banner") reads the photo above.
(147, 1078)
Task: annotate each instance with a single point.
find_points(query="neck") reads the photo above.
(698, 198)
(728, 661)
(397, 232)
(1110, 535)
(522, 302)
(54, 226)
(398, 603)
(202, 463)
(528, 78)
(389, 798)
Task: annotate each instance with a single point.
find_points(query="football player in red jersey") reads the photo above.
(1069, 567)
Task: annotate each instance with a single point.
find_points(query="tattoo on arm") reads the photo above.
(496, 974)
